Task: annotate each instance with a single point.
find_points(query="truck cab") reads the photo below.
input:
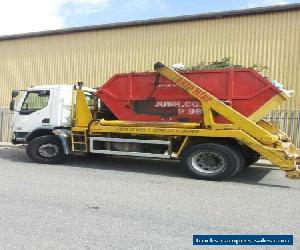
(41, 109)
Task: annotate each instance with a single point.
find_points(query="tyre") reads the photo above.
(250, 159)
(239, 153)
(212, 161)
(46, 149)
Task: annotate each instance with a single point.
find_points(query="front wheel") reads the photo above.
(211, 161)
(46, 149)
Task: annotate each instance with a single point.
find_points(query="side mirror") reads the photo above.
(12, 105)
(14, 93)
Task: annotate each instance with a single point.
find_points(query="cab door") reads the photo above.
(33, 112)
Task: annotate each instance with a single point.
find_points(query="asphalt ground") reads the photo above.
(122, 203)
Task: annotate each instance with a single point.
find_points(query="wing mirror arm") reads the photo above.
(12, 105)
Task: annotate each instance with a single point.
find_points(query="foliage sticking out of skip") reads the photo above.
(224, 63)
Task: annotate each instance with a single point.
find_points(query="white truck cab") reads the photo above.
(42, 109)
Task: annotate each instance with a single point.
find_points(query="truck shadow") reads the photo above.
(249, 176)
(254, 174)
(127, 164)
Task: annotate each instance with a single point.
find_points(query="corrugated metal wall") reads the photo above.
(5, 124)
(271, 39)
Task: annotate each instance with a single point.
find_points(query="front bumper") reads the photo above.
(19, 137)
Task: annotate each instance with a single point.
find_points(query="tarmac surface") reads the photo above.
(121, 203)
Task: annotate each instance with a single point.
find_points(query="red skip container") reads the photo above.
(151, 97)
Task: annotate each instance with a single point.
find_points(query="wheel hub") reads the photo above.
(48, 150)
(208, 162)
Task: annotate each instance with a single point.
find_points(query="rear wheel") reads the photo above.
(46, 149)
(212, 161)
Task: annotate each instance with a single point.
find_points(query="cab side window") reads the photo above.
(34, 101)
